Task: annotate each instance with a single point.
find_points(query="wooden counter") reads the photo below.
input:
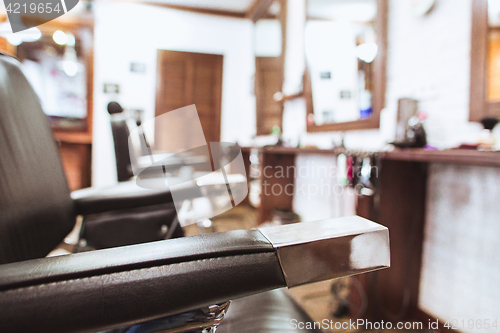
(455, 156)
(401, 207)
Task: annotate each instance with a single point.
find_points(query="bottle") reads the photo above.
(487, 140)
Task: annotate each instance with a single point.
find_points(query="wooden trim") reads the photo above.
(454, 156)
(479, 105)
(284, 98)
(73, 137)
(368, 123)
(218, 106)
(258, 9)
(70, 23)
(448, 156)
(380, 78)
(282, 17)
(479, 51)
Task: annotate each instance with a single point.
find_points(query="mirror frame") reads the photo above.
(480, 107)
(81, 134)
(281, 17)
(379, 68)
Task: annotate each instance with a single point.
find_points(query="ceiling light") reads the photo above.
(70, 67)
(31, 35)
(60, 37)
(71, 39)
(14, 39)
(367, 51)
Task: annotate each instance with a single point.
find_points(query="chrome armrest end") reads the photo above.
(316, 251)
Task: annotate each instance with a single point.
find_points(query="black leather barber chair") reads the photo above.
(134, 154)
(177, 285)
(120, 128)
(132, 146)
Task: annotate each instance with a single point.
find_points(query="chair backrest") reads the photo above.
(122, 125)
(36, 210)
(121, 132)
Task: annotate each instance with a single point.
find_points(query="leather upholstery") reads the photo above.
(36, 210)
(126, 195)
(103, 289)
(127, 227)
(121, 132)
(268, 312)
(117, 197)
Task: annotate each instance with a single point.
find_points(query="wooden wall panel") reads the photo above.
(394, 291)
(268, 81)
(76, 162)
(186, 78)
(275, 198)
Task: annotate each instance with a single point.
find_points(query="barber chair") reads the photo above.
(176, 285)
(135, 157)
(122, 126)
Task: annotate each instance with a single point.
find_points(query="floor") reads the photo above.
(319, 300)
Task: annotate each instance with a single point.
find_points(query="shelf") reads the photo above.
(451, 156)
(73, 137)
(454, 156)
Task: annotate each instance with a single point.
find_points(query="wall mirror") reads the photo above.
(268, 46)
(485, 60)
(59, 66)
(345, 48)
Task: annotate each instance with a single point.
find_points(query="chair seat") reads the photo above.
(269, 312)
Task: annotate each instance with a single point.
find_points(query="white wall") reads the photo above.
(126, 33)
(428, 59)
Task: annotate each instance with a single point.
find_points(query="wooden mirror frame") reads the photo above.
(480, 107)
(379, 68)
(81, 134)
(262, 13)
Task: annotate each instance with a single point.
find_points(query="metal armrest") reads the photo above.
(122, 286)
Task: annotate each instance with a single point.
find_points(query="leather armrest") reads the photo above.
(123, 286)
(124, 195)
(109, 288)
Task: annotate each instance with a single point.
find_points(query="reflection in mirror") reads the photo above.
(340, 46)
(268, 70)
(493, 85)
(55, 66)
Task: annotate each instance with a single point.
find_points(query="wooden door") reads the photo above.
(185, 78)
(268, 81)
